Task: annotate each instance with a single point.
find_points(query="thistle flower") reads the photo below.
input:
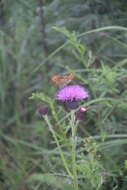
(81, 113)
(43, 110)
(71, 94)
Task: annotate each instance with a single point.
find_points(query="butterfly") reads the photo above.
(62, 80)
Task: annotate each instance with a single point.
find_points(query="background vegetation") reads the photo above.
(90, 42)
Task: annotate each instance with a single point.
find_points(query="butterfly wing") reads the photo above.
(62, 80)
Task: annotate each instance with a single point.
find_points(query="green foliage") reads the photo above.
(86, 38)
(50, 180)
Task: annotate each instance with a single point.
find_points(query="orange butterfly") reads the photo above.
(62, 80)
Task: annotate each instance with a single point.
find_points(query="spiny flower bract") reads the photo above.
(43, 110)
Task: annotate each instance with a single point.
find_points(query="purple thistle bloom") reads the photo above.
(71, 93)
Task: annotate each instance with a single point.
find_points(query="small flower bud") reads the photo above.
(81, 113)
(43, 110)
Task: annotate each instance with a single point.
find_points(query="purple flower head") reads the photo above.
(71, 93)
(43, 110)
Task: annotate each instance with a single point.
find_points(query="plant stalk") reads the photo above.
(73, 128)
(58, 145)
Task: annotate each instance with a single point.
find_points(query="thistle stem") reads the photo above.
(58, 145)
(73, 128)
